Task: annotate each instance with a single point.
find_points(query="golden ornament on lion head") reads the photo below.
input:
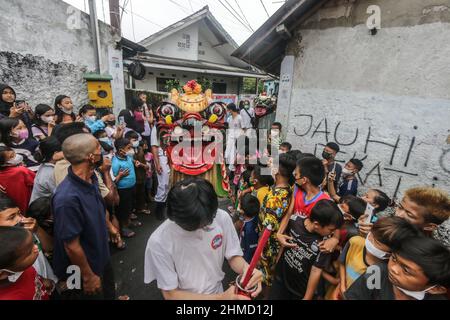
(193, 100)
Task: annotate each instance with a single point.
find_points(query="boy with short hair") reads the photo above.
(418, 270)
(360, 253)
(123, 167)
(18, 278)
(300, 267)
(185, 254)
(285, 147)
(249, 232)
(348, 185)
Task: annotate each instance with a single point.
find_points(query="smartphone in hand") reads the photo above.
(369, 212)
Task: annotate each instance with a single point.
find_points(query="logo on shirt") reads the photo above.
(217, 241)
(314, 246)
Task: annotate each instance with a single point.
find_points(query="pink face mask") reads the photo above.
(22, 134)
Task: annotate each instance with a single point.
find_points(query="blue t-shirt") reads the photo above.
(123, 164)
(347, 187)
(249, 238)
(79, 211)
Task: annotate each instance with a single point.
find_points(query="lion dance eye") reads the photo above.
(167, 110)
(218, 110)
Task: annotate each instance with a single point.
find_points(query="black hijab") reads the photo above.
(5, 107)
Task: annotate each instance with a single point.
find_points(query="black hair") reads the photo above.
(121, 143)
(58, 112)
(131, 135)
(357, 163)
(67, 130)
(47, 148)
(286, 166)
(382, 200)
(5, 107)
(84, 109)
(40, 209)
(98, 133)
(3, 151)
(334, 146)
(312, 168)
(356, 206)
(304, 155)
(430, 255)
(287, 145)
(265, 180)
(11, 239)
(295, 153)
(241, 105)
(277, 124)
(38, 112)
(246, 176)
(106, 146)
(327, 213)
(232, 107)
(250, 205)
(136, 103)
(6, 202)
(6, 126)
(192, 203)
(393, 231)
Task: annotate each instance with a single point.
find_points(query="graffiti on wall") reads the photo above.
(396, 151)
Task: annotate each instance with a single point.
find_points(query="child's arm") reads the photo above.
(330, 245)
(313, 281)
(282, 238)
(331, 188)
(328, 277)
(343, 276)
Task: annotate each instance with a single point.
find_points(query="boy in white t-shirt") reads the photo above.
(185, 254)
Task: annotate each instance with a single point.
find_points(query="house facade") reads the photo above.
(373, 76)
(196, 47)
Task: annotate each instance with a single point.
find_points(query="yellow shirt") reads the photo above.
(261, 193)
(354, 260)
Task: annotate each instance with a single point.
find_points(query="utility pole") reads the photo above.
(114, 15)
(95, 33)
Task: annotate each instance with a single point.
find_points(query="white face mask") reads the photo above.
(130, 153)
(274, 133)
(346, 172)
(91, 118)
(380, 254)
(66, 111)
(14, 275)
(135, 144)
(418, 295)
(18, 159)
(47, 119)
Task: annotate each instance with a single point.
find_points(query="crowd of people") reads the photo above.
(73, 185)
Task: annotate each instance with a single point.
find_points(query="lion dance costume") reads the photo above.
(191, 129)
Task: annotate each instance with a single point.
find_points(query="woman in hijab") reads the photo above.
(7, 99)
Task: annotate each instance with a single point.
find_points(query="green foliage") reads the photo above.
(205, 83)
(173, 84)
(249, 86)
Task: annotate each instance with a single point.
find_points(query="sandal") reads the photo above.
(135, 223)
(133, 216)
(121, 245)
(127, 233)
(145, 211)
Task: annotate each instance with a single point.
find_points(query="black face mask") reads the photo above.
(111, 123)
(99, 163)
(327, 155)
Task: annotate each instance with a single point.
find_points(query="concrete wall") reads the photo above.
(46, 46)
(168, 47)
(210, 54)
(383, 98)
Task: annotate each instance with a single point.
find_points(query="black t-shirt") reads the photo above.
(360, 289)
(295, 265)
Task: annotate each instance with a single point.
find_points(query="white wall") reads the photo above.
(168, 47)
(395, 84)
(211, 54)
(45, 48)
